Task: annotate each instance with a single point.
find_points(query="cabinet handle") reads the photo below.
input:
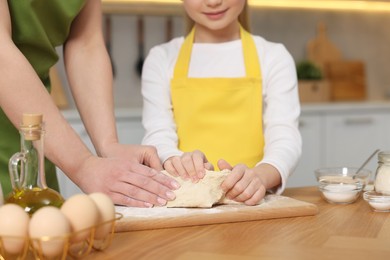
(359, 121)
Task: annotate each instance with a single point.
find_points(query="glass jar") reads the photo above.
(382, 175)
(27, 169)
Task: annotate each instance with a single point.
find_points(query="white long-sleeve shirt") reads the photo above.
(281, 108)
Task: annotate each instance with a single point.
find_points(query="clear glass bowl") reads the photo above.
(379, 202)
(343, 174)
(339, 192)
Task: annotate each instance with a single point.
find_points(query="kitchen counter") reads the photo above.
(307, 108)
(72, 115)
(337, 232)
(357, 106)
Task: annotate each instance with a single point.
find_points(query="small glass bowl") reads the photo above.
(339, 192)
(379, 202)
(343, 174)
(341, 185)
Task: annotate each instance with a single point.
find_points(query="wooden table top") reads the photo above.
(351, 231)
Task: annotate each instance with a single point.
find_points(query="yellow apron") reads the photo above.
(221, 117)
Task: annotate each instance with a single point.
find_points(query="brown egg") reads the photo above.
(49, 230)
(13, 228)
(106, 213)
(82, 213)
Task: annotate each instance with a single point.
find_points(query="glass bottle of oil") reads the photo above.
(27, 169)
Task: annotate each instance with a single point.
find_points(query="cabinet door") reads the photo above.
(311, 131)
(130, 130)
(351, 138)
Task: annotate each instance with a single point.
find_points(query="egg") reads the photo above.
(82, 213)
(51, 223)
(106, 210)
(14, 223)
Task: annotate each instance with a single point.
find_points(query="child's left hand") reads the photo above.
(244, 184)
(191, 165)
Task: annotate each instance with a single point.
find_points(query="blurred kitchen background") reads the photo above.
(337, 128)
(359, 35)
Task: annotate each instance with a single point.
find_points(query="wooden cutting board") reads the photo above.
(347, 80)
(346, 77)
(321, 49)
(273, 206)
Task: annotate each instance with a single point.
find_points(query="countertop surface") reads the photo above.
(351, 231)
(336, 107)
(307, 108)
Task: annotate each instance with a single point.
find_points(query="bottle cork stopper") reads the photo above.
(32, 119)
(32, 124)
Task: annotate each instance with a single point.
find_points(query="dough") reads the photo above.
(203, 194)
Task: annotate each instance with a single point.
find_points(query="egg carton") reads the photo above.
(76, 244)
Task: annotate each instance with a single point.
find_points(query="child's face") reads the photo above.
(214, 15)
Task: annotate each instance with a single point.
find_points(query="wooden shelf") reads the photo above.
(139, 7)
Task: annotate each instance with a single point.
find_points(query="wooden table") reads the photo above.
(338, 232)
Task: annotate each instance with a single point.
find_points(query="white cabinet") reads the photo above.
(130, 130)
(340, 135)
(352, 137)
(311, 131)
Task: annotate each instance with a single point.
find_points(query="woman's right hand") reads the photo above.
(127, 182)
(191, 165)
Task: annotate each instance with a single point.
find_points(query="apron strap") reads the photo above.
(251, 62)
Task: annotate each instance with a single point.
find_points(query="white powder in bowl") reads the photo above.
(380, 206)
(340, 193)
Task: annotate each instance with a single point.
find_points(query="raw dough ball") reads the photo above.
(203, 194)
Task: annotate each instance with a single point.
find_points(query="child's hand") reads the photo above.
(191, 165)
(244, 184)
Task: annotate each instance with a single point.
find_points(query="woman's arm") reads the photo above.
(21, 91)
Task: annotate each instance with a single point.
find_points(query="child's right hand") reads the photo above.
(191, 165)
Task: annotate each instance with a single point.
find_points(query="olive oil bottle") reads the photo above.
(27, 169)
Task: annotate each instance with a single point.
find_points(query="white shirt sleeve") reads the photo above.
(281, 108)
(157, 117)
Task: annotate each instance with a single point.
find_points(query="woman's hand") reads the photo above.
(143, 154)
(127, 182)
(191, 165)
(129, 174)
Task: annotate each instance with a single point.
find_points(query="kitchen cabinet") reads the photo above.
(130, 130)
(352, 137)
(340, 134)
(311, 131)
